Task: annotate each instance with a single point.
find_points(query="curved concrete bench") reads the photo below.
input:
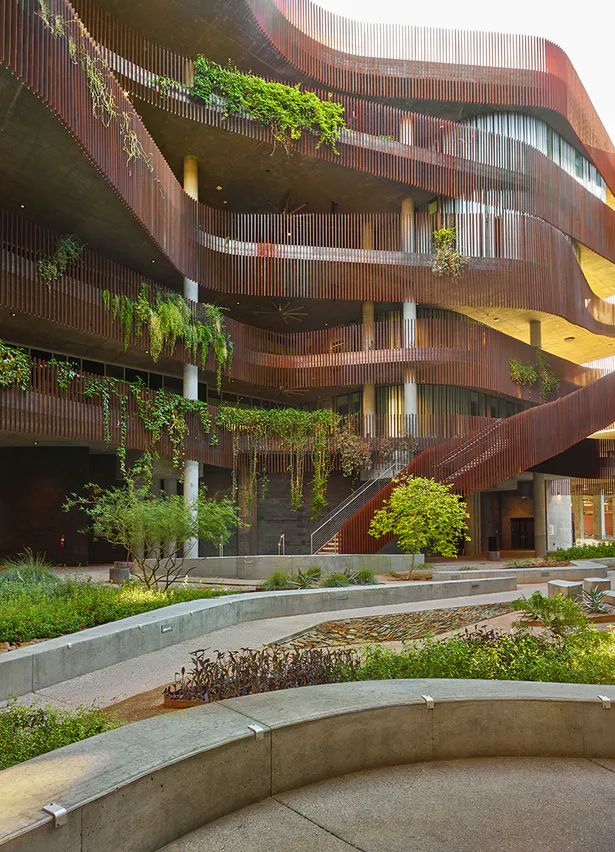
(578, 571)
(139, 787)
(37, 666)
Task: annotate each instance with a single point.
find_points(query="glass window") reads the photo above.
(155, 381)
(173, 385)
(94, 367)
(136, 376)
(115, 371)
(578, 164)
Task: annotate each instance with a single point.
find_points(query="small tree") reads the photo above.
(425, 516)
(154, 529)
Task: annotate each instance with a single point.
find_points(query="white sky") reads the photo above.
(583, 28)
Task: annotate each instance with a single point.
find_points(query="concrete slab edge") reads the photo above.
(141, 786)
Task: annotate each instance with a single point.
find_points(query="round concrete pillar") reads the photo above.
(540, 514)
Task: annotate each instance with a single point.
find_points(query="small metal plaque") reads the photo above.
(166, 628)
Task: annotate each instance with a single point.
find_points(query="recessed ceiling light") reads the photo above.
(568, 338)
(13, 315)
(22, 206)
(219, 188)
(225, 202)
(153, 261)
(36, 443)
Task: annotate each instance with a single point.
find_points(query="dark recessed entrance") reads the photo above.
(522, 533)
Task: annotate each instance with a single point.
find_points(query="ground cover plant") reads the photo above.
(41, 606)
(26, 732)
(246, 672)
(601, 550)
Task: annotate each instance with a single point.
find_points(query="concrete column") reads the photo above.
(191, 371)
(579, 516)
(169, 486)
(599, 519)
(408, 244)
(540, 514)
(536, 333)
(472, 547)
(368, 340)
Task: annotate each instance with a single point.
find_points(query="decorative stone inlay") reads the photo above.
(398, 627)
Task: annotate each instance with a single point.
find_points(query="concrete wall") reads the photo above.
(559, 521)
(528, 575)
(144, 785)
(259, 567)
(275, 516)
(56, 660)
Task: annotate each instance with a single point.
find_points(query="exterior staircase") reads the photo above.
(498, 451)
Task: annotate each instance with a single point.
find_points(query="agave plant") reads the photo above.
(593, 602)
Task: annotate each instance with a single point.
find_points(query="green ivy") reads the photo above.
(528, 375)
(68, 251)
(160, 412)
(295, 430)
(15, 367)
(287, 110)
(169, 318)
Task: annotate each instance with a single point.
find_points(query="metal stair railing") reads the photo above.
(333, 521)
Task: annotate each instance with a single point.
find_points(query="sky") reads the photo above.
(583, 28)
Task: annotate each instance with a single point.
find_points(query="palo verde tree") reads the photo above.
(425, 516)
(153, 529)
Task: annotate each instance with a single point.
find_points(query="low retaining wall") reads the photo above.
(527, 575)
(144, 785)
(37, 666)
(259, 567)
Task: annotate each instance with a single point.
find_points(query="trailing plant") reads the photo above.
(15, 367)
(548, 380)
(288, 110)
(153, 529)
(168, 318)
(247, 672)
(522, 374)
(160, 411)
(296, 431)
(68, 251)
(355, 452)
(166, 84)
(104, 104)
(425, 517)
(447, 262)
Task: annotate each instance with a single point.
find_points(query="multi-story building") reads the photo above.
(114, 173)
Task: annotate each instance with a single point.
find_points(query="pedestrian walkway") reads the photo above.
(140, 674)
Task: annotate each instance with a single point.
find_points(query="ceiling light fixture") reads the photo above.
(567, 339)
(219, 188)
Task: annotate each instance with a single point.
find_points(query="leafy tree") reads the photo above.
(425, 516)
(153, 529)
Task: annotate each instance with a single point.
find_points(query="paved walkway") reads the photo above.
(479, 805)
(149, 671)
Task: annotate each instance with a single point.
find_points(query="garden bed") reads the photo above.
(44, 607)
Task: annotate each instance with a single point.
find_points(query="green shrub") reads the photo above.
(585, 551)
(585, 656)
(534, 563)
(26, 732)
(336, 580)
(364, 577)
(41, 610)
(278, 581)
(558, 614)
(307, 579)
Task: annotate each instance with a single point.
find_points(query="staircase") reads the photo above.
(498, 451)
(325, 538)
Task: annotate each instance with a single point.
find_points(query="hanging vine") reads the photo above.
(447, 261)
(529, 374)
(295, 431)
(287, 110)
(104, 105)
(15, 367)
(160, 412)
(169, 318)
(68, 251)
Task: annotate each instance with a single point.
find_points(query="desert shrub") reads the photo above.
(26, 732)
(278, 581)
(42, 610)
(559, 614)
(307, 579)
(28, 567)
(233, 673)
(364, 577)
(336, 580)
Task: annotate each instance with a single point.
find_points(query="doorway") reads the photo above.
(522, 533)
